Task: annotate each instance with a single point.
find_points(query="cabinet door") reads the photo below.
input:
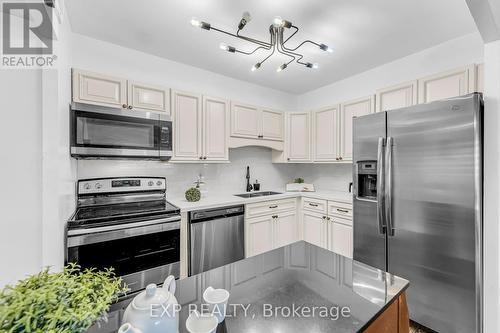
(299, 142)
(480, 78)
(215, 129)
(350, 110)
(272, 125)
(148, 98)
(286, 229)
(187, 126)
(259, 235)
(457, 82)
(245, 121)
(341, 238)
(396, 97)
(314, 228)
(326, 134)
(98, 89)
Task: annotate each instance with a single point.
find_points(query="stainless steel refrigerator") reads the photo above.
(417, 175)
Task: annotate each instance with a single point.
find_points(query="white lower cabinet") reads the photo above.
(329, 231)
(276, 226)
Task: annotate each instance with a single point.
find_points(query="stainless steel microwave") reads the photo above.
(101, 132)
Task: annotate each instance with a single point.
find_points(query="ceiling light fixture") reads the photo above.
(276, 41)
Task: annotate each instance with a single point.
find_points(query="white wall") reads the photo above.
(21, 170)
(491, 187)
(454, 53)
(95, 55)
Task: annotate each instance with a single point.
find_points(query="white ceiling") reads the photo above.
(363, 33)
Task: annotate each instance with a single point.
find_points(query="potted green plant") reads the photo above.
(69, 301)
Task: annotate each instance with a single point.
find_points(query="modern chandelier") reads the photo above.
(276, 41)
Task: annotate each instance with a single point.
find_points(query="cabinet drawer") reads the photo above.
(340, 209)
(269, 207)
(314, 205)
(341, 220)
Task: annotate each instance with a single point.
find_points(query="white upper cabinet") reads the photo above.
(94, 88)
(457, 82)
(148, 98)
(326, 134)
(480, 78)
(245, 121)
(215, 129)
(99, 89)
(272, 124)
(299, 137)
(187, 126)
(348, 111)
(396, 97)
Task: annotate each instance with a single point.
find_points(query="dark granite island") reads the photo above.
(301, 288)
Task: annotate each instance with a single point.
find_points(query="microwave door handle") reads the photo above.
(388, 187)
(380, 186)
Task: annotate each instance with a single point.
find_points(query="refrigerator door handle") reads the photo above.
(388, 186)
(380, 186)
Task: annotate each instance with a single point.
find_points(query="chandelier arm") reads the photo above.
(296, 30)
(269, 56)
(304, 42)
(251, 52)
(242, 37)
(253, 39)
(300, 56)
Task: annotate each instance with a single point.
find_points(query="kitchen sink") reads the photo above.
(257, 194)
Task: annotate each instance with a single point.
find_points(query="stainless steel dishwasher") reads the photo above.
(216, 238)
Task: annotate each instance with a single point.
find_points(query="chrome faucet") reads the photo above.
(249, 186)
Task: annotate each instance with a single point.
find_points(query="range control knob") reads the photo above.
(158, 183)
(98, 185)
(150, 183)
(86, 186)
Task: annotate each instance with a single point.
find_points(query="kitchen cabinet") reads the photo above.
(260, 236)
(480, 78)
(215, 128)
(341, 237)
(314, 228)
(251, 122)
(146, 97)
(105, 90)
(99, 89)
(395, 97)
(200, 128)
(270, 224)
(286, 229)
(328, 224)
(457, 82)
(272, 124)
(348, 111)
(326, 134)
(298, 137)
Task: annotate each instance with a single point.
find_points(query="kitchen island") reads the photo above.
(301, 288)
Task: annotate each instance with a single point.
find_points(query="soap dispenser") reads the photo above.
(256, 186)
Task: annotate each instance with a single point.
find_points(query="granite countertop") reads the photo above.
(227, 199)
(271, 285)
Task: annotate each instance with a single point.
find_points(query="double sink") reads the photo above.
(257, 194)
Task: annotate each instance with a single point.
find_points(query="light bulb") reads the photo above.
(315, 66)
(278, 21)
(282, 67)
(311, 65)
(195, 23)
(255, 67)
(224, 46)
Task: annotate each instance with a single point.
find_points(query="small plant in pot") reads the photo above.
(62, 302)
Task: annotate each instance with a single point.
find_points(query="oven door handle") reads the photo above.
(120, 231)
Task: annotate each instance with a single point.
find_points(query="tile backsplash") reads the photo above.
(226, 177)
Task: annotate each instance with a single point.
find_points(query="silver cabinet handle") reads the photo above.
(313, 204)
(388, 187)
(380, 186)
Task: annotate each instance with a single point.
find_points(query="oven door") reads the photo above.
(107, 132)
(141, 253)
